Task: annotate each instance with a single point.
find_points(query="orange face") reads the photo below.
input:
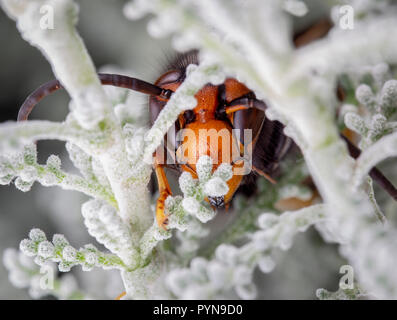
(211, 137)
(207, 135)
(215, 140)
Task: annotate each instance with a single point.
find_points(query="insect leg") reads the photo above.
(106, 79)
(164, 190)
(232, 109)
(120, 295)
(245, 103)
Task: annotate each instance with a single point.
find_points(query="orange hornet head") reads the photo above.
(211, 137)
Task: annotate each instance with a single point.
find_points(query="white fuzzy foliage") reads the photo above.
(108, 228)
(295, 191)
(88, 166)
(295, 7)
(60, 251)
(216, 187)
(24, 273)
(232, 267)
(356, 293)
(375, 126)
(380, 106)
(365, 95)
(23, 167)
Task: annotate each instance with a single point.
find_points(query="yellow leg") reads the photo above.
(120, 295)
(165, 191)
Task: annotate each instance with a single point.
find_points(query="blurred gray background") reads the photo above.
(113, 40)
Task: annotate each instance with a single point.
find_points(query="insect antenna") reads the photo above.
(374, 173)
(106, 79)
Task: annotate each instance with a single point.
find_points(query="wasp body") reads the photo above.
(225, 109)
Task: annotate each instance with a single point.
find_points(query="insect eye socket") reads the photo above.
(171, 76)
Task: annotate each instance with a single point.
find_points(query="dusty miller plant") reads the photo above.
(106, 141)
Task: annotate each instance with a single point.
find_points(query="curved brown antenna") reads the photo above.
(106, 79)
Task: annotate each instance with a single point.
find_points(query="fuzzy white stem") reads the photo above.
(344, 50)
(384, 148)
(40, 130)
(66, 52)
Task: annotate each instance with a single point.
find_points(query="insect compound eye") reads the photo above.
(170, 77)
